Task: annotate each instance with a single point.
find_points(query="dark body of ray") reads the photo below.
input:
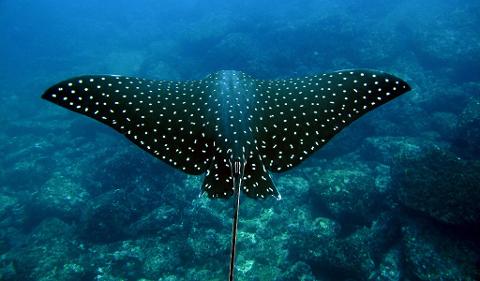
(230, 126)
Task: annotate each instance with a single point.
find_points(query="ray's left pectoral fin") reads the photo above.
(155, 115)
(218, 182)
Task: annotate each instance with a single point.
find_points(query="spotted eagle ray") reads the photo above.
(231, 127)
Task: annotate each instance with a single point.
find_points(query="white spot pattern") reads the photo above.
(199, 126)
(318, 107)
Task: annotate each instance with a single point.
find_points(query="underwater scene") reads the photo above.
(208, 102)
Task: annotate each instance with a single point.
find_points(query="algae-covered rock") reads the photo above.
(440, 185)
(467, 136)
(161, 258)
(125, 168)
(298, 271)
(444, 123)
(7, 270)
(140, 259)
(26, 173)
(349, 257)
(107, 217)
(212, 244)
(433, 255)
(348, 194)
(389, 267)
(305, 237)
(384, 149)
(60, 196)
(293, 187)
(4, 243)
(356, 255)
(6, 204)
(160, 221)
(126, 266)
(50, 253)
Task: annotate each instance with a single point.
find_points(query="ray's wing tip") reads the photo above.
(402, 82)
(48, 94)
(52, 90)
(392, 75)
(45, 95)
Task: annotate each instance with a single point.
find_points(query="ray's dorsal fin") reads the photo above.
(164, 118)
(295, 117)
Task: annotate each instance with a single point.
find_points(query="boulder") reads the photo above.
(431, 254)
(106, 218)
(61, 197)
(389, 268)
(439, 185)
(467, 135)
(6, 204)
(348, 194)
(50, 253)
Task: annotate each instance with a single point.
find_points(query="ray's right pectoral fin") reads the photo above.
(257, 182)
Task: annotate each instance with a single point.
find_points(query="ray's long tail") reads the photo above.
(237, 175)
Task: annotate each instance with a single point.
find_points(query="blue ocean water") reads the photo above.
(392, 197)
